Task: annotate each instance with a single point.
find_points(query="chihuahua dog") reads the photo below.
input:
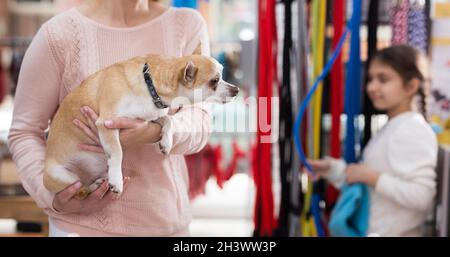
(143, 88)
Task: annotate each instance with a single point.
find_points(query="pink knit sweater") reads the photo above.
(66, 50)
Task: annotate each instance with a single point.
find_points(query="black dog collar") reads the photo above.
(151, 88)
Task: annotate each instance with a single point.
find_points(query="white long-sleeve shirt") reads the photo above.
(405, 154)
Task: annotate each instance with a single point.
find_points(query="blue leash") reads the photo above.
(353, 86)
(350, 216)
(359, 193)
(308, 97)
(353, 76)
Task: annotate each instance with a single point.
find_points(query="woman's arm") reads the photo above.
(192, 125)
(191, 129)
(36, 100)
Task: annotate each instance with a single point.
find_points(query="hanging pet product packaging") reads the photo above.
(440, 72)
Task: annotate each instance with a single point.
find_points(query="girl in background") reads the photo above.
(398, 164)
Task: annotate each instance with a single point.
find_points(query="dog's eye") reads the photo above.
(214, 83)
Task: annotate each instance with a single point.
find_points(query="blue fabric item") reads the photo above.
(350, 216)
(185, 3)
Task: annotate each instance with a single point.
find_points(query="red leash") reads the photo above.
(264, 218)
(337, 95)
(337, 80)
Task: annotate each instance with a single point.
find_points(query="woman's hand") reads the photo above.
(132, 132)
(360, 173)
(135, 132)
(65, 202)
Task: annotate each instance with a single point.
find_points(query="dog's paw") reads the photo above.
(166, 142)
(116, 185)
(165, 145)
(116, 188)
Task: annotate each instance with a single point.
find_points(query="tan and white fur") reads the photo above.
(120, 91)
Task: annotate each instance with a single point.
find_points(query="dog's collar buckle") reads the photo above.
(151, 88)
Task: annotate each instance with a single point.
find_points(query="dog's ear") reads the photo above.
(190, 74)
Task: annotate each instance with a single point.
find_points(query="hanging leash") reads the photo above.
(319, 49)
(337, 81)
(353, 85)
(285, 123)
(368, 108)
(307, 100)
(308, 226)
(417, 27)
(399, 22)
(352, 108)
(350, 216)
(264, 219)
(337, 99)
(301, 56)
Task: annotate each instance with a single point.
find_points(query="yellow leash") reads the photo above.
(318, 46)
(318, 67)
